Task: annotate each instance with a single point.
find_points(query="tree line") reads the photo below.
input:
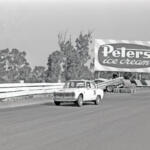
(14, 67)
(68, 62)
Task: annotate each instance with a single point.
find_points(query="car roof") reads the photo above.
(102, 79)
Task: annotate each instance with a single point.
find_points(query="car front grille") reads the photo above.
(64, 94)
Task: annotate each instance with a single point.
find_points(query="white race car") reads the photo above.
(79, 91)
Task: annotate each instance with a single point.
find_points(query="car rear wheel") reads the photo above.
(98, 100)
(80, 101)
(57, 103)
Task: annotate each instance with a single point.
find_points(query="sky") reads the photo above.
(33, 25)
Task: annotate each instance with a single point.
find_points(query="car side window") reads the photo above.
(72, 85)
(92, 85)
(88, 85)
(80, 85)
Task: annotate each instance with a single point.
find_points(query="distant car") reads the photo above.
(79, 91)
(100, 80)
(108, 85)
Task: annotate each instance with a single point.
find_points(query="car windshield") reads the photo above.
(98, 81)
(75, 84)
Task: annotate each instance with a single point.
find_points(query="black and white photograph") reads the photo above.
(74, 74)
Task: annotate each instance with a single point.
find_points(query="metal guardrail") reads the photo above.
(8, 90)
(22, 89)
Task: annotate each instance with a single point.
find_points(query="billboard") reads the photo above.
(122, 55)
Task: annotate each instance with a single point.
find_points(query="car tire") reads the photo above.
(57, 103)
(80, 101)
(98, 100)
(109, 88)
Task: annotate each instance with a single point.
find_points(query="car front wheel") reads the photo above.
(98, 100)
(80, 101)
(109, 88)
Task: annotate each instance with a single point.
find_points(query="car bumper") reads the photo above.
(66, 99)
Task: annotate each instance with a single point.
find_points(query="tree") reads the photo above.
(25, 73)
(12, 62)
(70, 61)
(82, 46)
(54, 68)
(3, 63)
(38, 74)
(75, 57)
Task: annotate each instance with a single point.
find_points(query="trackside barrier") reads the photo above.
(124, 90)
(148, 82)
(23, 89)
(138, 83)
(142, 83)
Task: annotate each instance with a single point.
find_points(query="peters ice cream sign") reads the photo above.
(123, 55)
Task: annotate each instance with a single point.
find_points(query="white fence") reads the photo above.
(22, 89)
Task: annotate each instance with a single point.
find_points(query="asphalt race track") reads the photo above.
(122, 122)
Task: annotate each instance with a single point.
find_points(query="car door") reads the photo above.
(93, 88)
(89, 93)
